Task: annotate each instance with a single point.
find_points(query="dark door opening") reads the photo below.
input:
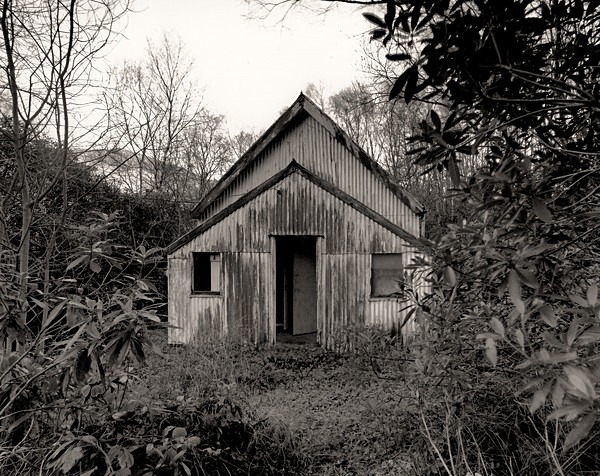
(296, 284)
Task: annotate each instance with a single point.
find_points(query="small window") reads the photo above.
(206, 273)
(387, 277)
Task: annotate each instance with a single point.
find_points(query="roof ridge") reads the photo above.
(303, 104)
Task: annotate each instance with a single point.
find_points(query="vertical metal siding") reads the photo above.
(311, 145)
(344, 296)
(249, 287)
(206, 320)
(179, 293)
(192, 315)
(293, 206)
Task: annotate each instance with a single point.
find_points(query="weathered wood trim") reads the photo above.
(292, 116)
(273, 295)
(320, 279)
(293, 167)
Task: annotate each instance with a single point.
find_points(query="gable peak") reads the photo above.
(302, 107)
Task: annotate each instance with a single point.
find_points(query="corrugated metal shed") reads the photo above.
(303, 179)
(293, 203)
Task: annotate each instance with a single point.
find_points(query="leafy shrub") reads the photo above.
(73, 397)
(184, 436)
(481, 414)
(516, 283)
(67, 360)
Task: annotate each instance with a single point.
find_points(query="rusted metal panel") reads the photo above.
(206, 318)
(295, 206)
(242, 310)
(342, 293)
(248, 290)
(179, 293)
(345, 302)
(390, 314)
(311, 145)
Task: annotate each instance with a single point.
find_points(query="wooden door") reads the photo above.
(296, 284)
(304, 301)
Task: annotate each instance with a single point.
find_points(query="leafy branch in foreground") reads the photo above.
(70, 361)
(515, 84)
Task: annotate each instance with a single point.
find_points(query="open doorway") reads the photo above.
(296, 284)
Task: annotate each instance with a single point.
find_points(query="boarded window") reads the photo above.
(206, 273)
(387, 278)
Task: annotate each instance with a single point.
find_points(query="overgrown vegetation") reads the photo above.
(72, 398)
(82, 280)
(381, 409)
(503, 377)
(508, 350)
(516, 84)
(321, 412)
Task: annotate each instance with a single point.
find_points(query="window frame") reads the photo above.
(399, 273)
(208, 273)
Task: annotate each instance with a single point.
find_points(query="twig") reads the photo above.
(437, 451)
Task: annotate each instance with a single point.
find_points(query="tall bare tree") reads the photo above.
(152, 104)
(241, 142)
(48, 49)
(316, 91)
(354, 109)
(206, 154)
(168, 141)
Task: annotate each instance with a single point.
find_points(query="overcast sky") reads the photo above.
(251, 69)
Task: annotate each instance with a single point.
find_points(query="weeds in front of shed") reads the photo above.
(474, 421)
(209, 381)
(449, 413)
(322, 411)
(459, 416)
(384, 408)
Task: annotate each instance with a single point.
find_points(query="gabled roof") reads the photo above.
(293, 167)
(302, 107)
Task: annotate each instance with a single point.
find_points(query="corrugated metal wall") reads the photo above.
(193, 314)
(344, 293)
(247, 293)
(294, 206)
(313, 147)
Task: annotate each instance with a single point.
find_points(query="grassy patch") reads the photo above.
(379, 410)
(329, 413)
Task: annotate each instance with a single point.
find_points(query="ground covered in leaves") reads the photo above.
(331, 413)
